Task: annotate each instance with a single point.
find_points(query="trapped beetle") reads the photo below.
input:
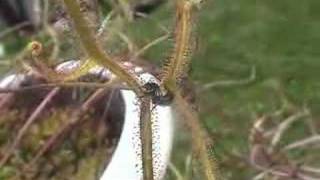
(157, 95)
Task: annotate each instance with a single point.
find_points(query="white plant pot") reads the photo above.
(126, 161)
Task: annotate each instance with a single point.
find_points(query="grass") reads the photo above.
(279, 38)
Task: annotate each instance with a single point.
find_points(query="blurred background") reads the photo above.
(256, 63)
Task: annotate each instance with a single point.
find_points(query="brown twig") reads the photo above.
(62, 84)
(28, 123)
(303, 143)
(108, 104)
(276, 164)
(68, 127)
(228, 83)
(284, 126)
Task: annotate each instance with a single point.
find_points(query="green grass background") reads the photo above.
(280, 39)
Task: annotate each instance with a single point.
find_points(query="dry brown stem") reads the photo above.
(26, 126)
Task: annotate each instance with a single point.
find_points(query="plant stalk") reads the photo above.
(94, 51)
(199, 137)
(146, 138)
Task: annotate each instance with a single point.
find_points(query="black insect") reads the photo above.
(158, 97)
